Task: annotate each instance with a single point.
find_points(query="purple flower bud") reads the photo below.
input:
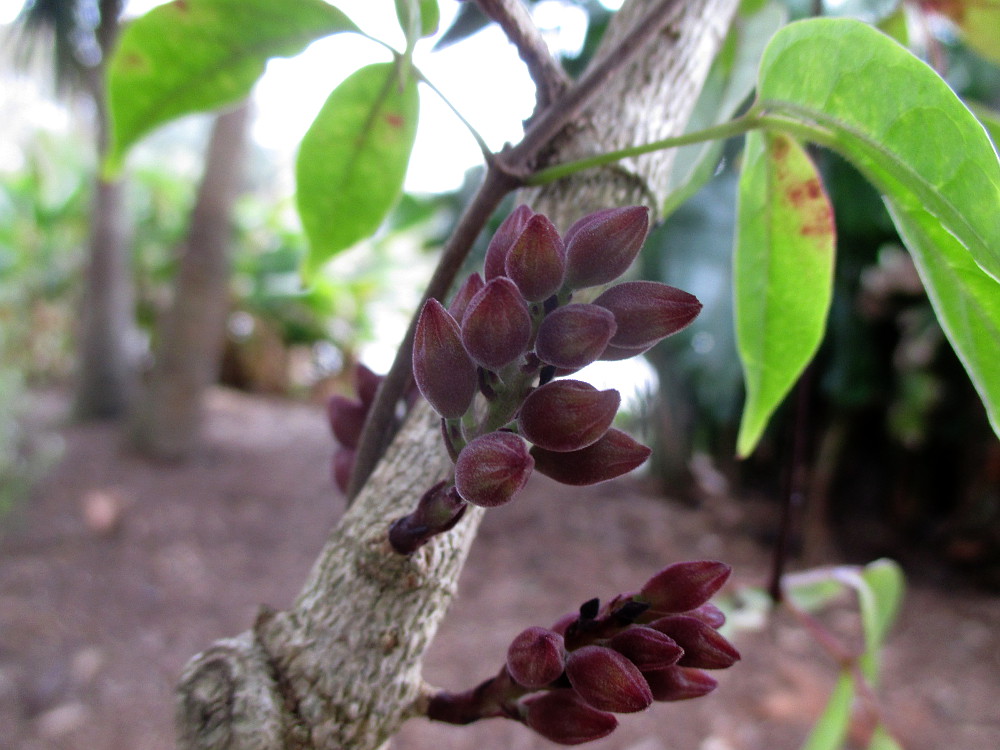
(573, 336)
(561, 716)
(613, 455)
(341, 468)
(437, 511)
(709, 614)
(536, 261)
(491, 469)
(647, 311)
(347, 419)
(464, 295)
(496, 328)
(536, 657)
(607, 680)
(618, 353)
(679, 683)
(366, 384)
(567, 415)
(506, 234)
(600, 247)
(648, 649)
(704, 647)
(562, 624)
(684, 585)
(442, 369)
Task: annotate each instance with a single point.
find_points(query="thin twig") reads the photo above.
(549, 77)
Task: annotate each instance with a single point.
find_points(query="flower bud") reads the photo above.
(647, 311)
(491, 469)
(561, 625)
(704, 647)
(366, 384)
(618, 353)
(442, 369)
(567, 415)
(437, 511)
(497, 326)
(536, 261)
(342, 467)
(535, 657)
(679, 683)
(648, 649)
(573, 336)
(613, 455)
(506, 234)
(709, 614)
(464, 296)
(600, 247)
(684, 585)
(607, 680)
(561, 716)
(347, 419)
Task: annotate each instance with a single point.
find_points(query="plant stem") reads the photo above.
(726, 130)
(483, 146)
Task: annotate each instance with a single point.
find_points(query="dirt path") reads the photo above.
(118, 570)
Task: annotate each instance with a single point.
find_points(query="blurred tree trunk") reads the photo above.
(166, 422)
(107, 339)
(341, 667)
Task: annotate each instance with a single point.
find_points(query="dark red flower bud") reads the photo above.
(437, 511)
(472, 286)
(561, 716)
(613, 455)
(573, 336)
(341, 467)
(536, 261)
(607, 680)
(648, 649)
(562, 624)
(647, 311)
(366, 384)
(536, 657)
(491, 469)
(567, 415)
(680, 683)
(709, 614)
(347, 419)
(704, 647)
(506, 234)
(618, 353)
(684, 585)
(443, 370)
(600, 247)
(497, 326)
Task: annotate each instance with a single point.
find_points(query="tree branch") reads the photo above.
(549, 77)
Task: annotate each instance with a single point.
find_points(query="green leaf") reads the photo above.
(809, 592)
(830, 729)
(352, 161)
(782, 274)
(882, 740)
(730, 81)
(418, 18)
(860, 93)
(196, 55)
(846, 86)
(879, 586)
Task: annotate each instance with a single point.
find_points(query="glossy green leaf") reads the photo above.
(196, 55)
(352, 161)
(730, 81)
(847, 86)
(782, 274)
(830, 729)
(860, 93)
(990, 119)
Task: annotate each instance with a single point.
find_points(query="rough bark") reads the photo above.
(166, 423)
(341, 668)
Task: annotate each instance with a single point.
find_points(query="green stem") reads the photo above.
(740, 125)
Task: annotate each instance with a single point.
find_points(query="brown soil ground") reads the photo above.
(117, 570)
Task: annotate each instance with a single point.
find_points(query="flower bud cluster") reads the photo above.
(567, 682)
(347, 420)
(486, 363)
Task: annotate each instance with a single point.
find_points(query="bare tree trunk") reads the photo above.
(166, 424)
(341, 668)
